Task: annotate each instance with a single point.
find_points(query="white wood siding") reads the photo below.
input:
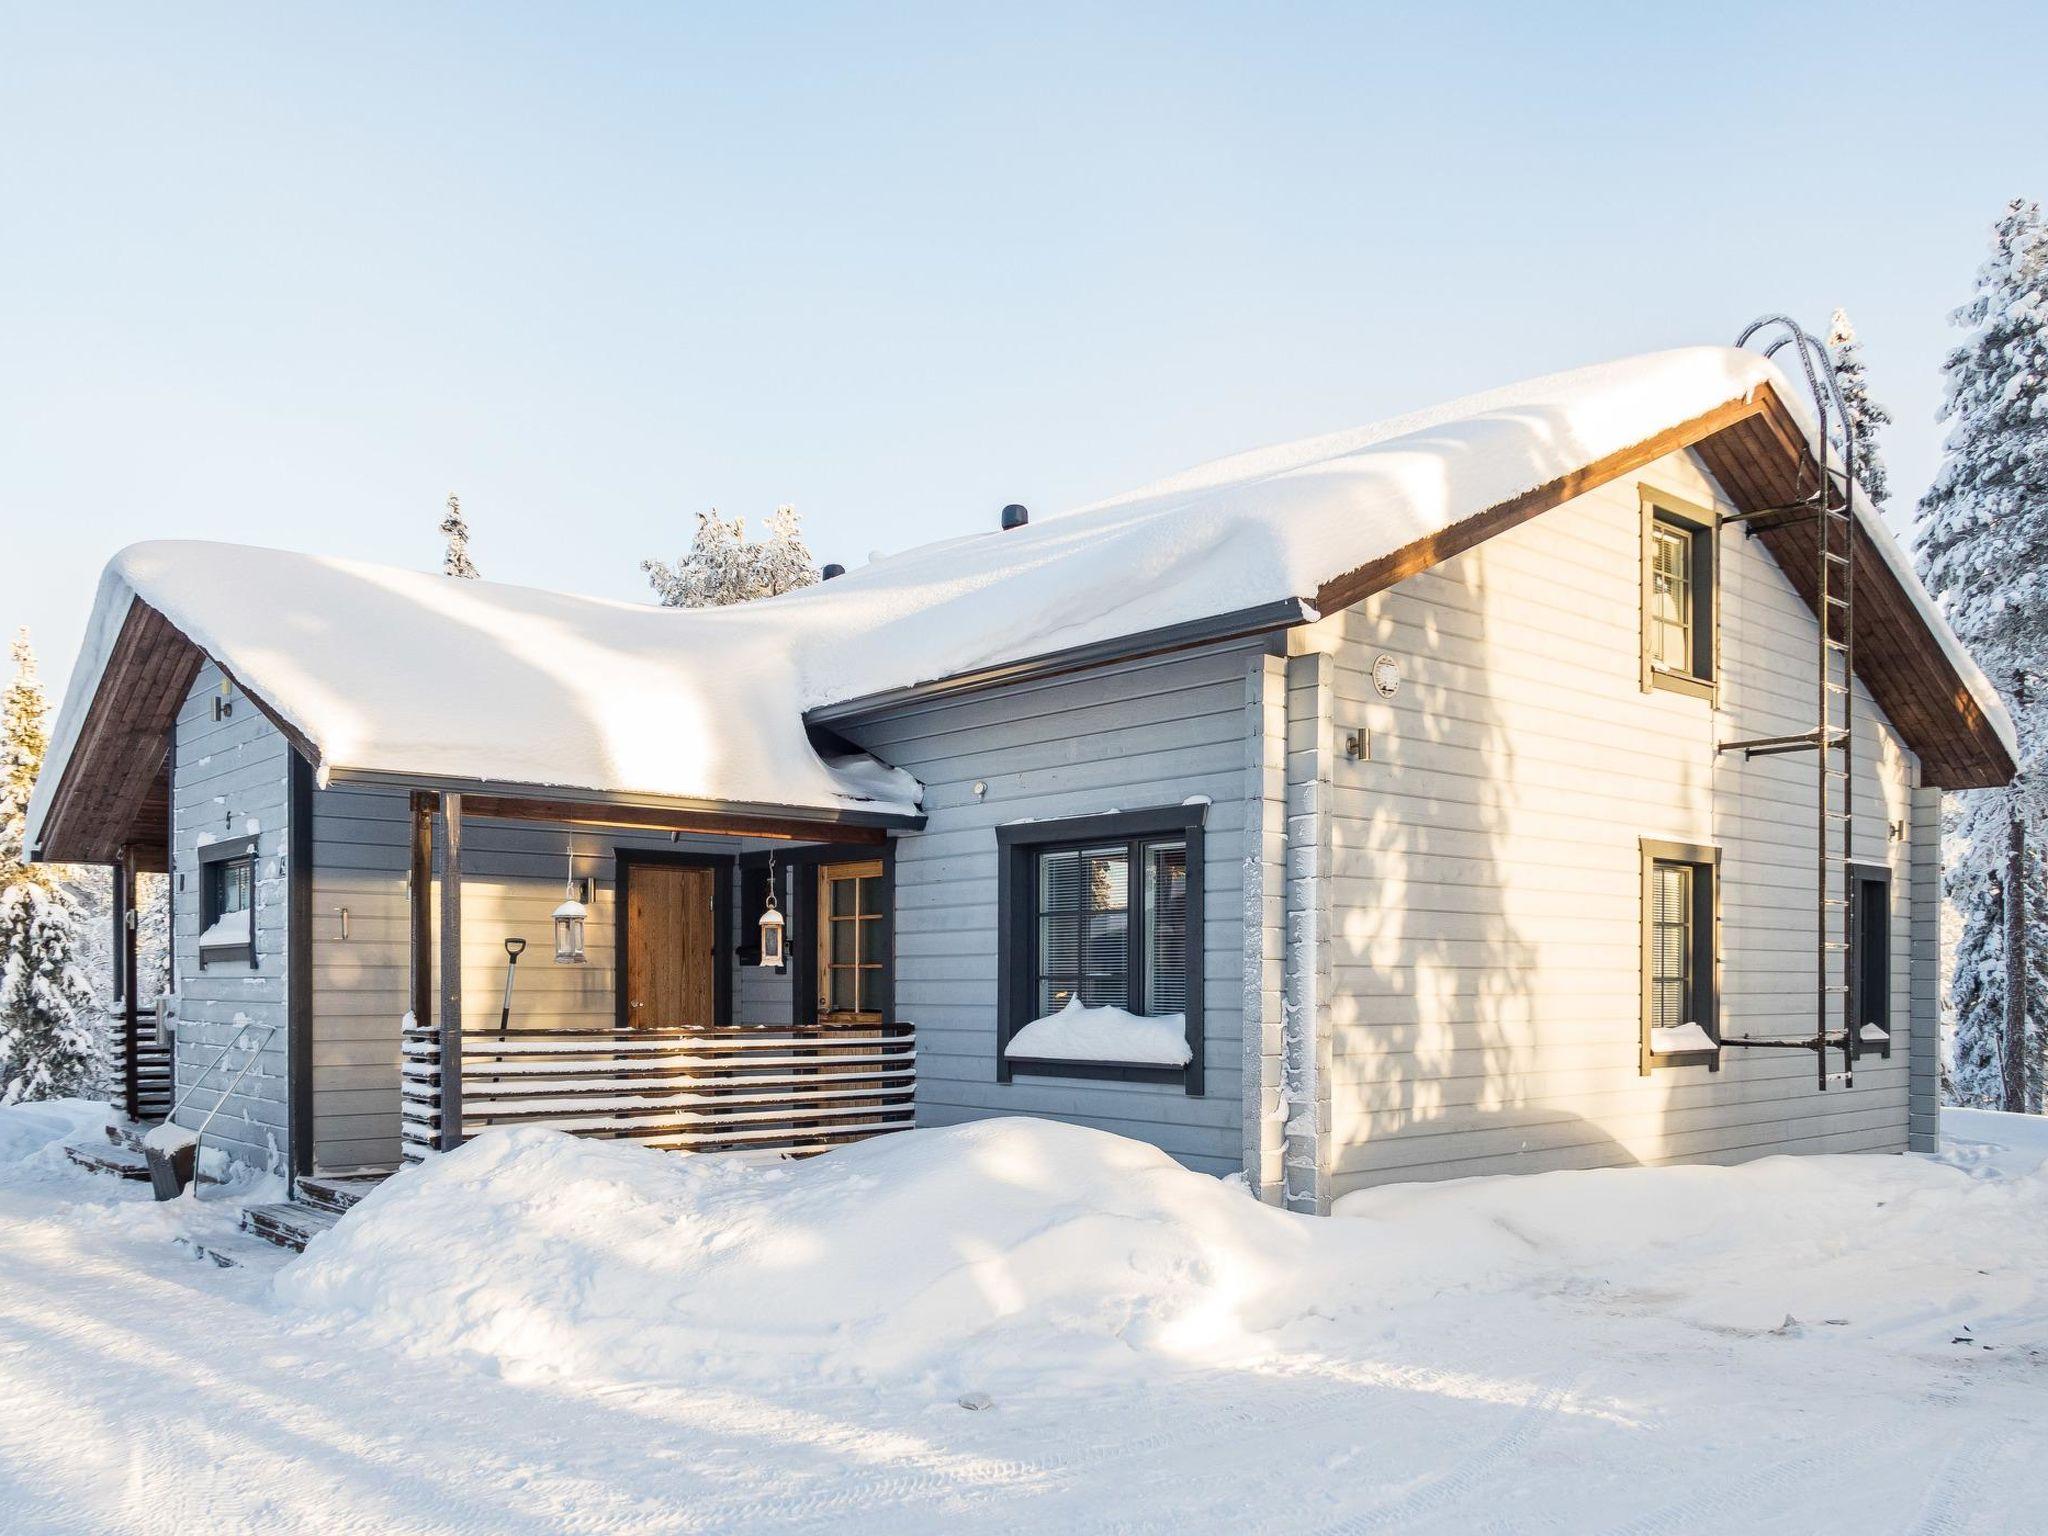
(1486, 902)
(231, 777)
(1146, 733)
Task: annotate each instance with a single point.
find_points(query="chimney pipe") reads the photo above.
(830, 571)
(1014, 516)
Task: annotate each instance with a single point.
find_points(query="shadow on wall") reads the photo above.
(1437, 1031)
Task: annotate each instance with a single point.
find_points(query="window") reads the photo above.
(1678, 596)
(1098, 912)
(852, 941)
(1873, 962)
(227, 902)
(1671, 605)
(1681, 1023)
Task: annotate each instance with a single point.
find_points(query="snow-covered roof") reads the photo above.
(382, 669)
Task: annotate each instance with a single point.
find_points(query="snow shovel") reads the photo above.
(514, 948)
(171, 1151)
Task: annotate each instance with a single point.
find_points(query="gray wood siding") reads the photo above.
(1147, 733)
(232, 779)
(1487, 907)
(512, 881)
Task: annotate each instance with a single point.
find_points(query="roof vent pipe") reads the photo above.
(1014, 516)
(830, 571)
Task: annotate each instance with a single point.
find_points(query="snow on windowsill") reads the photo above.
(1106, 1034)
(231, 932)
(1874, 1034)
(1675, 1039)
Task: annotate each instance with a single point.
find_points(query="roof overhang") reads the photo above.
(1757, 448)
(113, 792)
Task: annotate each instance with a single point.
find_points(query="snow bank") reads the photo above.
(1109, 1033)
(972, 1256)
(36, 1133)
(953, 1255)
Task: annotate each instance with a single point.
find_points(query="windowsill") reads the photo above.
(1113, 1071)
(210, 954)
(1711, 1060)
(1682, 682)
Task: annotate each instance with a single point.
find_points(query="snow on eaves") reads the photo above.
(412, 673)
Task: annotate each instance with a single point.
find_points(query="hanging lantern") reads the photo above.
(771, 924)
(570, 918)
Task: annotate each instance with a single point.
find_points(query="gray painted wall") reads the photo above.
(1146, 733)
(232, 778)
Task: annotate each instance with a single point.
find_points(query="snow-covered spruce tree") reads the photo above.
(722, 567)
(49, 1044)
(1866, 416)
(1984, 549)
(455, 561)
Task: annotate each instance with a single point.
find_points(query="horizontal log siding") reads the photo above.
(512, 883)
(1146, 733)
(232, 779)
(1487, 889)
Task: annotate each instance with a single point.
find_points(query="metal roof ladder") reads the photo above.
(1833, 738)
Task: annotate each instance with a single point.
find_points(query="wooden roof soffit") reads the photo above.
(112, 792)
(648, 818)
(1757, 450)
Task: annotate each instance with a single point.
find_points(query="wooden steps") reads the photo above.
(288, 1224)
(119, 1162)
(316, 1205)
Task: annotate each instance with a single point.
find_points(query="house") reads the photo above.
(1475, 792)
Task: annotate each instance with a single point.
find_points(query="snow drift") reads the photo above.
(954, 1253)
(990, 1254)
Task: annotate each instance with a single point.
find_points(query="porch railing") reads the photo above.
(755, 1087)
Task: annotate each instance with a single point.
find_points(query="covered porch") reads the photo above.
(722, 1035)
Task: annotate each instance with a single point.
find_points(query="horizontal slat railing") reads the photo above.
(795, 1089)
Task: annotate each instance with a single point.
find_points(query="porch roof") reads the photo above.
(401, 676)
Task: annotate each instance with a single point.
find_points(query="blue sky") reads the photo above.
(290, 275)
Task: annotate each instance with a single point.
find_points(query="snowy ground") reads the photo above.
(608, 1341)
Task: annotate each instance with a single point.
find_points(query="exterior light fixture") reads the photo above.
(570, 918)
(771, 923)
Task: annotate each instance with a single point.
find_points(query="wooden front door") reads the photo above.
(671, 946)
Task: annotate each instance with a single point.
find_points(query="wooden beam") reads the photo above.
(656, 819)
(451, 972)
(419, 897)
(1411, 559)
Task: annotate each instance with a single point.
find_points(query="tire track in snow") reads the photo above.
(1537, 1414)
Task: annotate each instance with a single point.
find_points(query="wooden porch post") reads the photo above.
(419, 892)
(451, 972)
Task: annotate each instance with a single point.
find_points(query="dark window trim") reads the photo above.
(624, 860)
(1867, 875)
(1706, 922)
(1016, 923)
(798, 899)
(228, 850)
(1703, 681)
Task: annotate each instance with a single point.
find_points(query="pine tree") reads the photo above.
(1866, 416)
(1984, 548)
(456, 561)
(722, 567)
(49, 1046)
